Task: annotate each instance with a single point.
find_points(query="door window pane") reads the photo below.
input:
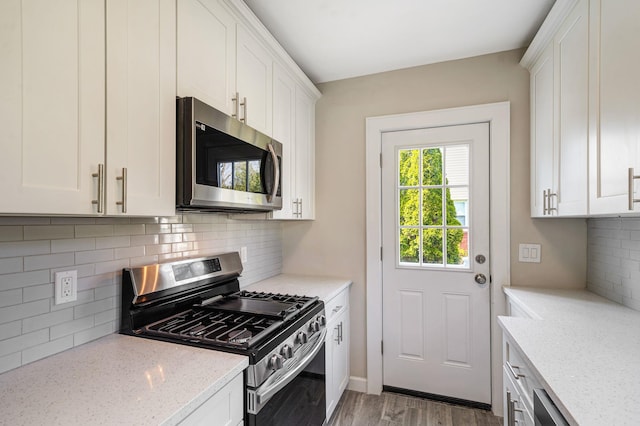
(433, 206)
(409, 245)
(409, 207)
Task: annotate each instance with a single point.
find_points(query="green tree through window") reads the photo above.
(430, 189)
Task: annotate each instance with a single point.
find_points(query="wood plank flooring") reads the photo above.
(392, 409)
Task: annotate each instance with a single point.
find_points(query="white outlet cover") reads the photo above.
(66, 286)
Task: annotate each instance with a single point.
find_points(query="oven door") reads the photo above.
(298, 398)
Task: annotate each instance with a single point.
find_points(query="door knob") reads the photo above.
(481, 279)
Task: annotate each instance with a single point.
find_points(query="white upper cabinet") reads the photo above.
(614, 141)
(305, 156)
(141, 107)
(571, 51)
(52, 105)
(207, 53)
(293, 126)
(56, 159)
(254, 83)
(559, 120)
(284, 104)
(542, 117)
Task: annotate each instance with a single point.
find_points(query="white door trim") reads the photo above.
(498, 117)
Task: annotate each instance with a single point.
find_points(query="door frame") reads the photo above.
(498, 117)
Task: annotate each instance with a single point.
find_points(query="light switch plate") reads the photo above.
(530, 253)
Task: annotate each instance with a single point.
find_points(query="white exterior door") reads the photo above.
(435, 233)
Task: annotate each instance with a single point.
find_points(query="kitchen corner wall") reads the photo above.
(613, 269)
(32, 249)
(335, 242)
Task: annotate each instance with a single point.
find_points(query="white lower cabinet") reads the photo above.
(514, 409)
(337, 348)
(224, 408)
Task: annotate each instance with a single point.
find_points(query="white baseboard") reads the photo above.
(357, 384)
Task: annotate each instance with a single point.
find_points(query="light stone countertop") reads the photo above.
(585, 351)
(116, 380)
(325, 288)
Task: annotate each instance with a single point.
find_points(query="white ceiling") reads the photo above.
(336, 39)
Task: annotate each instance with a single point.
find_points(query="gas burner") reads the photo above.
(239, 336)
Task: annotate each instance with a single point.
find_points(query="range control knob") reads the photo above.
(321, 319)
(314, 326)
(275, 362)
(302, 338)
(286, 352)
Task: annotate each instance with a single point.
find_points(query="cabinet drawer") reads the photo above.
(336, 305)
(520, 373)
(516, 411)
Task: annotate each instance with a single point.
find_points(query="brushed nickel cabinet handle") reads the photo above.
(512, 368)
(632, 177)
(100, 200)
(544, 202)
(244, 107)
(236, 106)
(123, 178)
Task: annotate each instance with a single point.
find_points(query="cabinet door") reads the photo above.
(341, 356)
(141, 93)
(614, 138)
(305, 155)
(206, 53)
(284, 98)
(571, 55)
(51, 105)
(254, 81)
(542, 133)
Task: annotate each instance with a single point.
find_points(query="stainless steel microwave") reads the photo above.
(222, 163)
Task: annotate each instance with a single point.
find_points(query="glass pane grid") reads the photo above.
(432, 226)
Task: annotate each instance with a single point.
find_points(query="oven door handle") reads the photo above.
(264, 395)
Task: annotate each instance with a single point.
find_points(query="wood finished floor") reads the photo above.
(392, 409)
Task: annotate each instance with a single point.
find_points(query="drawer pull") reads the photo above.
(513, 371)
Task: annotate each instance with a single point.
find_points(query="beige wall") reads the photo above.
(335, 242)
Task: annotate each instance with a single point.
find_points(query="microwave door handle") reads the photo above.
(276, 174)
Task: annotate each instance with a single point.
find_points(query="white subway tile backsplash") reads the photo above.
(11, 233)
(10, 329)
(21, 279)
(10, 297)
(47, 261)
(94, 256)
(47, 320)
(46, 349)
(87, 309)
(48, 232)
(23, 341)
(71, 327)
(113, 242)
(24, 310)
(33, 249)
(100, 330)
(11, 265)
(37, 292)
(614, 259)
(24, 248)
(11, 361)
(72, 245)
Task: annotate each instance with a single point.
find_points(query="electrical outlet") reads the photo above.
(243, 254)
(66, 286)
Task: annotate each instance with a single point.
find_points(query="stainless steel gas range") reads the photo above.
(199, 302)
